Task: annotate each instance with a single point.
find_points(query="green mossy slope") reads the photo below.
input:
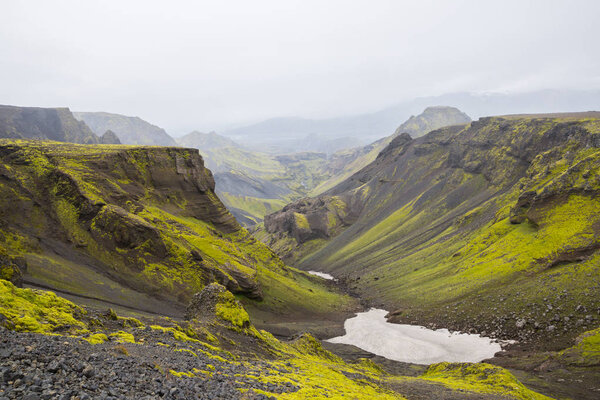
(492, 227)
(137, 226)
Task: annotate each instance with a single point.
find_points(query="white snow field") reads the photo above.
(322, 275)
(411, 343)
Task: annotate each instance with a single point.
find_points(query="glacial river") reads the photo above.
(371, 332)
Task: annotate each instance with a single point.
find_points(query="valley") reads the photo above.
(414, 223)
(307, 200)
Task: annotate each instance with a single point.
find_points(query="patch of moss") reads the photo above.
(230, 310)
(586, 351)
(123, 337)
(97, 338)
(301, 221)
(30, 310)
(482, 378)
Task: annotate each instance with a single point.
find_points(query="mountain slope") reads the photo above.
(345, 163)
(45, 124)
(138, 227)
(493, 227)
(130, 130)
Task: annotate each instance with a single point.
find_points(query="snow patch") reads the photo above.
(322, 275)
(370, 331)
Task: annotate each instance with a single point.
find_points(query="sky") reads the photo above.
(206, 65)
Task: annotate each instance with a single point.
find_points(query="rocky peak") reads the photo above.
(109, 137)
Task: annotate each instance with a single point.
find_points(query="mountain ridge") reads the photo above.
(130, 130)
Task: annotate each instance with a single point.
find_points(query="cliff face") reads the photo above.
(130, 130)
(145, 220)
(44, 123)
(472, 227)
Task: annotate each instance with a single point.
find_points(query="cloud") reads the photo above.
(203, 65)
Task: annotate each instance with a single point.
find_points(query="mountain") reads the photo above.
(253, 184)
(372, 126)
(157, 292)
(490, 227)
(432, 118)
(44, 123)
(345, 163)
(205, 141)
(109, 137)
(130, 130)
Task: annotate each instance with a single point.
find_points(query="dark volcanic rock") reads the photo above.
(203, 303)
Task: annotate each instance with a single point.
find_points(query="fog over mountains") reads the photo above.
(287, 132)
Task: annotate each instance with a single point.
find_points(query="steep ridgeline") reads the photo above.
(129, 130)
(138, 227)
(47, 124)
(492, 227)
(343, 164)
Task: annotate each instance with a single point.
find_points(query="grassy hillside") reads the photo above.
(493, 227)
(138, 227)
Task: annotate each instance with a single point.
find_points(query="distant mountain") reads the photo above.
(432, 118)
(280, 132)
(205, 141)
(130, 130)
(56, 124)
(254, 183)
(109, 137)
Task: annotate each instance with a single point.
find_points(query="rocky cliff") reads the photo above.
(134, 226)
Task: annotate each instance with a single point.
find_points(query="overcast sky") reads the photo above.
(208, 64)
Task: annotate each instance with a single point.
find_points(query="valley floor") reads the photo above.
(56, 349)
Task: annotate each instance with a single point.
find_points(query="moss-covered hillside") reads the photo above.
(493, 227)
(139, 227)
(215, 354)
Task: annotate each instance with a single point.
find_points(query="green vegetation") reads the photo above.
(123, 337)
(457, 242)
(302, 364)
(97, 338)
(586, 351)
(146, 216)
(481, 378)
(28, 310)
(229, 309)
